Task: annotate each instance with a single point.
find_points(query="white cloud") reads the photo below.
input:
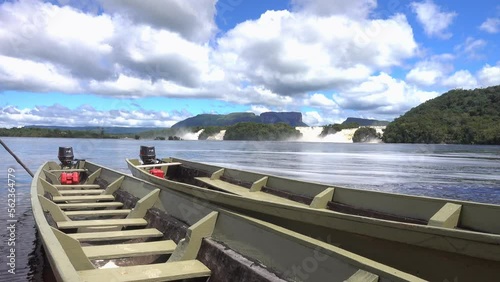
(292, 53)
(193, 20)
(25, 75)
(462, 79)
(382, 95)
(349, 8)
(85, 116)
(320, 100)
(489, 75)
(491, 25)
(430, 71)
(313, 118)
(259, 109)
(471, 47)
(282, 60)
(433, 19)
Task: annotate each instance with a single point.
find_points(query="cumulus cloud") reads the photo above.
(292, 53)
(320, 100)
(430, 71)
(313, 118)
(434, 21)
(193, 20)
(61, 36)
(281, 60)
(491, 25)
(489, 75)
(383, 95)
(26, 75)
(461, 79)
(86, 115)
(350, 8)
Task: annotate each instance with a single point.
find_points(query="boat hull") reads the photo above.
(239, 248)
(430, 252)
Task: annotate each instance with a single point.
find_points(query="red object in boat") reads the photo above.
(156, 172)
(68, 178)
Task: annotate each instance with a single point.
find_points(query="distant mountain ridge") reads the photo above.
(366, 122)
(203, 120)
(107, 129)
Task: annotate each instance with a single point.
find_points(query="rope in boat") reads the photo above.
(15, 157)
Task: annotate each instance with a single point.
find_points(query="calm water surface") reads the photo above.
(449, 171)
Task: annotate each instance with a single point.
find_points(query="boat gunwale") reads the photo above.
(60, 263)
(427, 198)
(427, 230)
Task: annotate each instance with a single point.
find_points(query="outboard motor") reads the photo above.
(148, 155)
(67, 159)
(66, 156)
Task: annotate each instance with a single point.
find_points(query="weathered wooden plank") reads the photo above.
(170, 271)
(447, 217)
(117, 235)
(101, 223)
(158, 165)
(217, 174)
(245, 192)
(129, 250)
(77, 186)
(81, 192)
(90, 205)
(363, 276)
(92, 198)
(321, 200)
(93, 213)
(257, 185)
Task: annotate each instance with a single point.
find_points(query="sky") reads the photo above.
(153, 63)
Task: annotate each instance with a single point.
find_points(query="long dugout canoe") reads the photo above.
(436, 239)
(190, 238)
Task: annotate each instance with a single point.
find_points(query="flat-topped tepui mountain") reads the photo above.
(290, 118)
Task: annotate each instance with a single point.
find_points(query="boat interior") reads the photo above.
(114, 227)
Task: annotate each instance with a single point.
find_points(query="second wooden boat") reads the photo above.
(436, 239)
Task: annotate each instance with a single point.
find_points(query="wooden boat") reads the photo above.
(436, 239)
(105, 217)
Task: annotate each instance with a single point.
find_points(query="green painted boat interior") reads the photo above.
(162, 234)
(434, 239)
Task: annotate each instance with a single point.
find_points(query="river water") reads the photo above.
(449, 171)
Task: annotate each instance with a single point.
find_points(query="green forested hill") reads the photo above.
(204, 120)
(456, 117)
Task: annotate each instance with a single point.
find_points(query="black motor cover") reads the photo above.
(148, 154)
(66, 155)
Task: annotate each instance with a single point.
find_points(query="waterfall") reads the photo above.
(311, 134)
(219, 136)
(191, 135)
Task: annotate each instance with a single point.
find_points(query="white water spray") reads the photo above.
(218, 137)
(191, 135)
(312, 134)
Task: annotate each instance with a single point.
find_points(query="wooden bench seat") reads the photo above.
(101, 223)
(81, 192)
(82, 206)
(170, 271)
(245, 192)
(92, 213)
(77, 186)
(117, 235)
(91, 198)
(158, 165)
(129, 250)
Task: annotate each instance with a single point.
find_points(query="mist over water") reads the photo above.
(448, 171)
